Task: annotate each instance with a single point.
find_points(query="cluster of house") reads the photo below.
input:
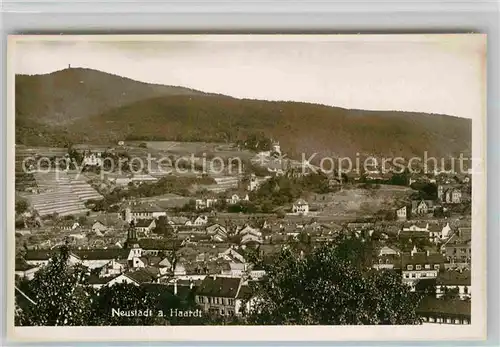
(206, 203)
(219, 277)
(447, 194)
(219, 273)
(446, 270)
(125, 180)
(444, 267)
(299, 208)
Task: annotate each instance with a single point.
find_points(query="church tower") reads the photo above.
(132, 240)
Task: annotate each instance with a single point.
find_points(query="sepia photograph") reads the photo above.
(247, 181)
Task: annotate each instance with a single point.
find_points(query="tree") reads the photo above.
(450, 293)
(280, 214)
(426, 287)
(330, 286)
(400, 179)
(163, 228)
(127, 297)
(385, 215)
(20, 224)
(426, 191)
(60, 294)
(21, 206)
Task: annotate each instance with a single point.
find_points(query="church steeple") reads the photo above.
(132, 240)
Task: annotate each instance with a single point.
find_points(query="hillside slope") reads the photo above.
(98, 112)
(301, 128)
(69, 94)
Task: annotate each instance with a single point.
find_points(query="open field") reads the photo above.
(359, 202)
(222, 150)
(167, 201)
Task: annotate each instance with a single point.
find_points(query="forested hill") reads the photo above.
(74, 93)
(108, 108)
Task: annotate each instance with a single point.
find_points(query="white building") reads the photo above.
(401, 213)
(420, 265)
(453, 280)
(92, 159)
(300, 207)
(224, 296)
(136, 211)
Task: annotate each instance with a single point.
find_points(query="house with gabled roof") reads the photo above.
(450, 194)
(248, 239)
(137, 277)
(142, 210)
(420, 265)
(217, 232)
(145, 225)
(416, 226)
(198, 221)
(387, 262)
(25, 270)
(438, 311)
(235, 198)
(233, 253)
(457, 248)
(225, 296)
(202, 204)
(438, 232)
(98, 282)
(300, 207)
(454, 280)
(401, 213)
(422, 207)
(414, 230)
(91, 258)
(68, 225)
(387, 250)
(112, 268)
(96, 258)
(233, 269)
(42, 257)
(107, 221)
(247, 229)
(177, 220)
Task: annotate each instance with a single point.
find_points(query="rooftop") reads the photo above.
(421, 258)
(144, 223)
(444, 307)
(454, 277)
(215, 286)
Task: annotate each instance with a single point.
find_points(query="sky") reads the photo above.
(425, 73)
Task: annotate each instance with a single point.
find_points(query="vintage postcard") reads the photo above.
(247, 187)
